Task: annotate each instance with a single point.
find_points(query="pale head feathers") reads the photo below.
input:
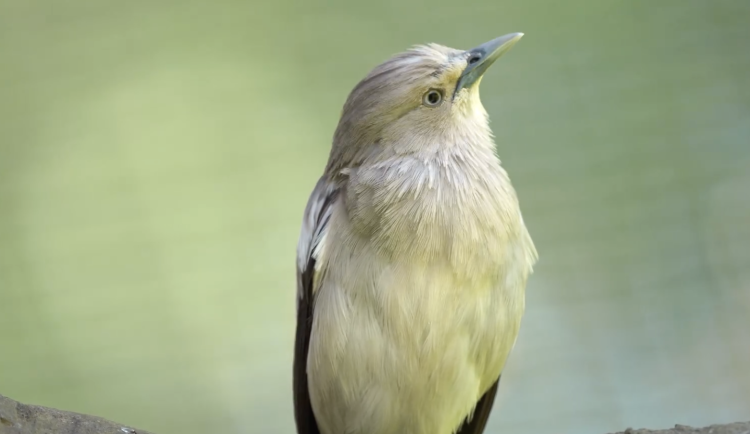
(385, 112)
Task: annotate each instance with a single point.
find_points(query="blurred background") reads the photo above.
(156, 157)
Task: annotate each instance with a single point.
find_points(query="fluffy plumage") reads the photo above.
(412, 261)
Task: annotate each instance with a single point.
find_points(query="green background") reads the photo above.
(156, 156)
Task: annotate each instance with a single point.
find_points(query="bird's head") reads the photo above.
(426, 97)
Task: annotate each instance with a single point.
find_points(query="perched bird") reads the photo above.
(413, 256)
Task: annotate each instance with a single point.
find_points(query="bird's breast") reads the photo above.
(401, 348)
(426, 264)
(458, 207)
(409, 344)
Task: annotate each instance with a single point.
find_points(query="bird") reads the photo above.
(413, 256)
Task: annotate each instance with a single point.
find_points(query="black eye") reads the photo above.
(474, 58)
(432, 98)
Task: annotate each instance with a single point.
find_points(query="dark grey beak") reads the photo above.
(482, 57)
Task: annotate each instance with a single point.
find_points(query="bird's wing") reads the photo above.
(478, 421)
(312, 236)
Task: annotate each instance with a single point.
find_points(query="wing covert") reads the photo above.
(311, 241)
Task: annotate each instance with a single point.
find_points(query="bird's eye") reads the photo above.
(474, 58)
(432, 98)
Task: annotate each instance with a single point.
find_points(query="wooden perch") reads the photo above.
(17, 418)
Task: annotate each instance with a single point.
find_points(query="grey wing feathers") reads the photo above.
(314, 223)
(314, 226)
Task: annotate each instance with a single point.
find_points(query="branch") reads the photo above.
(17, 418)
(730, 428)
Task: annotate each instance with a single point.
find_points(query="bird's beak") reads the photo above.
(482, 57)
